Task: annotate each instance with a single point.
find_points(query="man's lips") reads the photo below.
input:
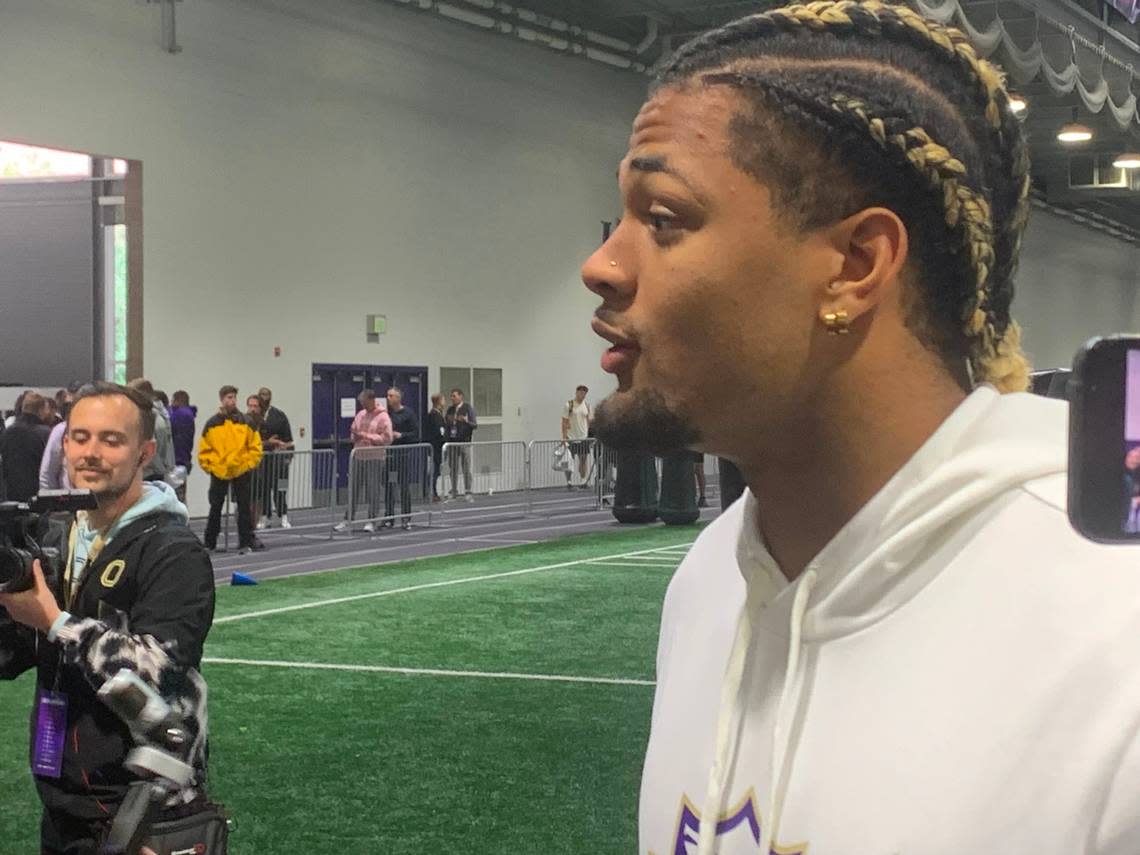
(624, 352)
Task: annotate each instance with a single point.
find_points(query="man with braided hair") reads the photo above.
(893, 642)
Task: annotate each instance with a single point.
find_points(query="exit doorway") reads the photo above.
(335, 391)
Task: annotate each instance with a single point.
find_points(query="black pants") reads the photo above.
(398, 472)
(239, 487)
(436, 468)
(277, 484)
(61, 834)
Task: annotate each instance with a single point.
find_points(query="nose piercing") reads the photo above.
(613, 264)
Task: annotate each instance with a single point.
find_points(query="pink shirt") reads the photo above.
(373, 428)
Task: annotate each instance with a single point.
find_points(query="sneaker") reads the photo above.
(257, 545)
(702, 502)
(435, 499)
(585, 485)
(369, 527)
(262, 524)
(242, 550)
(406, 524)
(388, 524)
(569, 486)
(341, 526)
(285, 522)
(470, 498)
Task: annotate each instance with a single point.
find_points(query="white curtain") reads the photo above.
(1025, 65)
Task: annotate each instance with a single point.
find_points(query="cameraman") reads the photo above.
(136, 591)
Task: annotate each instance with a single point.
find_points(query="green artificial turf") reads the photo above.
(323, 761)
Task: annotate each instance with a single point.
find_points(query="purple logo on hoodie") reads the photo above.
(737, 833)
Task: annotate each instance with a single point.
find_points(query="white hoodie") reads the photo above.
(957, 671)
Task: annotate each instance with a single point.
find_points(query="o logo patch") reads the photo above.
(113, 572)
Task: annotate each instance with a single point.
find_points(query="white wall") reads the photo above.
(1073, 283)
(306, 164)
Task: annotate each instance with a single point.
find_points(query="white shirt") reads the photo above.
(579, 416)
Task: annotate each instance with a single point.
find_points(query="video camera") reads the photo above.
(18, 546)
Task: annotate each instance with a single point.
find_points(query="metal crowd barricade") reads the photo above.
(556, 478)
(498, 470)
(392, 482)
(298, 484)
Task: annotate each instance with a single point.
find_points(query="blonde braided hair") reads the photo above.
(985, 206)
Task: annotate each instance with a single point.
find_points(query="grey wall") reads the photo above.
(1073, 283)
(309, 163)
(46, 283)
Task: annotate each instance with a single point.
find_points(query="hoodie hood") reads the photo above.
(990, 446)
(157, 496)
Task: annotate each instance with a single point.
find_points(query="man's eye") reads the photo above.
(662, 221)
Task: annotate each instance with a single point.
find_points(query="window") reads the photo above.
(487, 391)
(455, 378)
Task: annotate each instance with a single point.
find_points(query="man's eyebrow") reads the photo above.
(650, 165)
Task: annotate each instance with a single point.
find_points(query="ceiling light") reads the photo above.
(1127, 160)
(1074, 131)
(1017, 103)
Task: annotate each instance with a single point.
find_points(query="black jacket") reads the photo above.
(406, 425)
(458, 431)
(146, 603)
(22, 448)
(436, 429)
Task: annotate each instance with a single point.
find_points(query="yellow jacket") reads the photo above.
(229, 446)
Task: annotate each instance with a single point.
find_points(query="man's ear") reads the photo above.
(147, 451)
(873, 245)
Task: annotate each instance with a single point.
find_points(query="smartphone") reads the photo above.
(1104, 440)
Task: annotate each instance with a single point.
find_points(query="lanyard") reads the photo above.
(71, 579)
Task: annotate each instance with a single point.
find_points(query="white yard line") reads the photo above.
(427, 585)
(640, 564)
(490, 538)
(430, 672)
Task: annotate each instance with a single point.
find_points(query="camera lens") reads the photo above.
(15, 570)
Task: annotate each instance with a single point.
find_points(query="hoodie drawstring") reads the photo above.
(769, 823)
(729, 722)
(727, 726)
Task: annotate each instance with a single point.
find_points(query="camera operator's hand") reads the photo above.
(35, 607)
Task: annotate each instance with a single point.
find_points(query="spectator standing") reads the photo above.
(22, 448)
(53, 469)
(10, 419)
(161, 466)
(461, 424)
(437, 436)
(277, 437)
(402, 462)
(371, 428)
(182, 418)
(229, 451)
(259, 487)
(576, 417)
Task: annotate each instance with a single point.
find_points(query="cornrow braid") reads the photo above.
(985, 198)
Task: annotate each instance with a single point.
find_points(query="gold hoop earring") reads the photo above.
(837, 323)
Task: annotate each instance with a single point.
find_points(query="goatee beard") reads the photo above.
(642, 421)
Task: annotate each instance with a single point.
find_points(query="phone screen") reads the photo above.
(1104, 440)
(1131, 503)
